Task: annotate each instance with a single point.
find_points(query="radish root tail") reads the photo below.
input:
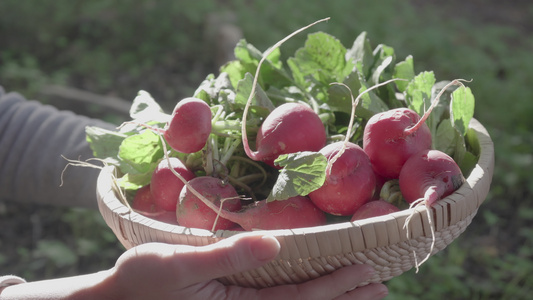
(355, 102)
(412, 129)
(219, 212)
(413, 207)
(80, 163)
(254, 84)
(88, 164)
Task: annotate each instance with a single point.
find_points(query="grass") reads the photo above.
(117, 48)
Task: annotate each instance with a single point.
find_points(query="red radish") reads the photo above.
(349, 183)
(165, 186)
(263, 155)
(193, 212)
(391, 137)
(425, 178)
(168, 217)
(289, 128)
(143, 203)
(190, 126)
(429, 175)
(295, 212)
(374, 208)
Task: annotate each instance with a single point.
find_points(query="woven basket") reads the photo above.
(308, 253)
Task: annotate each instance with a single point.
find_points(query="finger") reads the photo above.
(325, 287)
(374, 291)
(232, 255)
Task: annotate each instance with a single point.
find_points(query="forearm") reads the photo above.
(34, 138)
(90, 286)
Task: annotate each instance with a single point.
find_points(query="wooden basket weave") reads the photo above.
(308, 253)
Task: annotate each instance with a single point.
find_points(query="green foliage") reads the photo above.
(302, 173)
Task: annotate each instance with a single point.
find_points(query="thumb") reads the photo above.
(235, 254)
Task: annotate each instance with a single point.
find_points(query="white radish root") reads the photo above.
(87, 164)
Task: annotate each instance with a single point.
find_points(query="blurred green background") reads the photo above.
(57, 51)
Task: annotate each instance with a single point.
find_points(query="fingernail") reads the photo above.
(265, 248)
(367, 273)
(370, 272)
(383, 291)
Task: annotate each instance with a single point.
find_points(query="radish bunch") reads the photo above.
(276, 150)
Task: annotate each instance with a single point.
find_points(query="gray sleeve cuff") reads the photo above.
(8, 280)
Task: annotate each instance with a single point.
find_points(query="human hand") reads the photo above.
(164, 271)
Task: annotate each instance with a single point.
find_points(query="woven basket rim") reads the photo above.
(453, 207)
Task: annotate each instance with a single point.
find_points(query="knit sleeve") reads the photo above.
(8, 280)
(35, 139)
